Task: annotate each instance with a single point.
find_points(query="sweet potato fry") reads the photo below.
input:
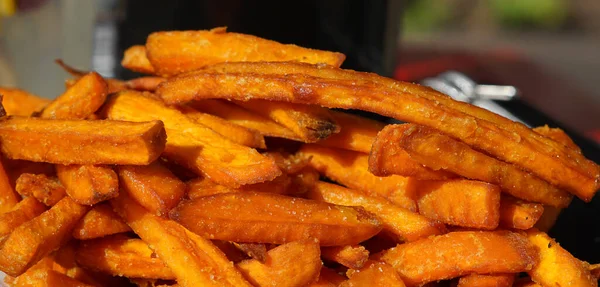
(460, 202)
(292, 264)
(82, 142)
(461, 253)
(16, 168)
(494, 280)
(309, 123)
(193, 145)
(351, 256)
(257, 251)
(149, 84)
(233, 253)
(401, 223)
(351, 169)
(329, 278)
(548, 218)
(356, 133)
(122, 257)
(337, 88)
(201, 187)
(34, 239)
(25, 210)
(135, 59)
(271, 218)
(8, 197)
(88, 184)
(100, 221)
(438, 151)
(235, 133)
(153, 186)
(18, 102)
(47, 278)
(557, 135)
(244, 118)
(177, 52)
(374, 273)
(557, 267)
(193, 260)
(80, 100)
(519, 214)
(47, 190)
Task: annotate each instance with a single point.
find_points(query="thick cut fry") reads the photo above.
(122, 257)
(495, 280)
(48, 278)
(438, 151)
(519, 214)
(88, 184)
(8, 197)
(235, 133)
(351, 169)
(100, 221)
(401, 223)
(244, 118)
(309, 123)
(38, 237)
(193, 260)
(193, 145)
(557, 267)
(288, 265)
(18, 102)
(45, 189)
(176, 52)
(461, 253)
(135, 59)
(337, 88)
(351, 256)
(24, 211)
(82, 142)
(356, 133)
(149, 84)
(257, 251)
(153, 186)
(460, 202)
(374, 273)
(557, 135)
(271, 218)
(80, 100)
(201, 187)
(329, 278)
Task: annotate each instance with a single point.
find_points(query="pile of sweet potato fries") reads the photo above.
(234, 162)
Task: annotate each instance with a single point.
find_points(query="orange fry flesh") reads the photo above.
(100, 221)
(47, 190)
(460, 202)
(494, 280)
(292, 264)
(351, 256)
(557, 135)
(88, 184)
(122, 257)
(195, 146)
(17, 102)
(80, 100)
(25, 210)
(374, 273)
(81, 142)
(36, 238)
(356, 133)
(271, 218)
(461, 253)
(337, 88)
(351, 169)
(153, 186)
(8, 197)
(135, 59)
(519, 214)
(193, 260)
(176, 52)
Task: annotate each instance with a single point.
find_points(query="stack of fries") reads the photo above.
(235, 163)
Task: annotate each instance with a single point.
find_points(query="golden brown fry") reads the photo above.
(135, 59)
(271, 218)
(351, 256)
(45, 189)
(401, 223)
(122, 257)
(309, 123)
(337, 88)
(176, 52)
(556, 266)
(461, 253)
(193, 260)
(374, 273)
(82, 142)
(329, 278)
(356, 133)
(8, 197)
(257, 251)
(149, 84)
(100, 221)
(17, 102)
(88, 184)
(47, 278)
(557, 135)
(80, 100)
(351, 169)
(494, 280)
(36, 238)
(460, 202)
(25, 210)
(193, 145)
(519, 214)
(292, 264)
(153, 186)
(235, 133)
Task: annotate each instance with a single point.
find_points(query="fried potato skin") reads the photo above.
(374, 273)
(81, 142)
(48, 190)
(88, 184)
(24, 211)
(80, 100)
(293, 264)
(8, 197)
(519, 214)
(356, 133)
(100, 221)
(271, 218)
(460, 253)
(493, 280)
(135, 59)
(351, 256)
(17, 102)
